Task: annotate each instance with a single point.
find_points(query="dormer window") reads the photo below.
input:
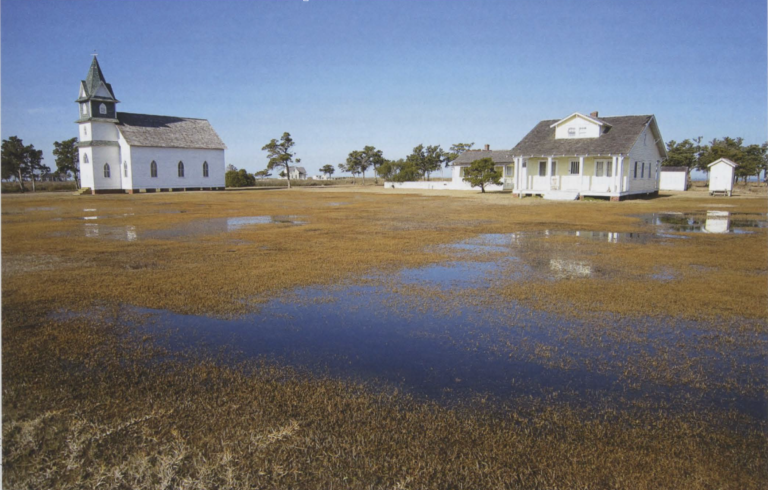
(103, 109)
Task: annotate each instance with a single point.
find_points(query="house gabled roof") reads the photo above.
(168, 132)
(301, 170)
(598, 121)
(724, 160)
(498, 156)
(618, 138)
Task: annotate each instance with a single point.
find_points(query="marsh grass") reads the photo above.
(108, 410)
(88, 403)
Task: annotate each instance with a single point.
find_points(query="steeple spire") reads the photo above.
(95, 77)
(95, 80)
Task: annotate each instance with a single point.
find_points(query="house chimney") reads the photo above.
(487, 147)
(593, 114)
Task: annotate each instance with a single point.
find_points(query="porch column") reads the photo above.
(620, 173)
(614, 173)
(549, 173)
(581, 173)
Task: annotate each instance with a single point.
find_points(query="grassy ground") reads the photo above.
(86, 403)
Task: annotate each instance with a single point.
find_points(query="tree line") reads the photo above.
(691, 153)
(22, 162)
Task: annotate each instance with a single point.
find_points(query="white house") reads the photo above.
(296, 173)
(722, 174)
(125, 152)
(502, 159)
(579, 156)
(673, 179)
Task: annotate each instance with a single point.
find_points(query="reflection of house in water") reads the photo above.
(564, 269)
(127, 233)
(717, 222)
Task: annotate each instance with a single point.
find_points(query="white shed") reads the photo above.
(722, 174)
(673, 179)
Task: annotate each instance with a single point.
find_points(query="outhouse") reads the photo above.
(722, 174)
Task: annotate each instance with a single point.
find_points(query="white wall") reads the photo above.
(592, 130)
(99, 155)
(644, 150)
(104, 131)
(167, 160)
(721, 177)
(673, 181)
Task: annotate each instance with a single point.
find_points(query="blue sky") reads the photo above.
(339, 75)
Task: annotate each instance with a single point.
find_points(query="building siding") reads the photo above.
(167, 160)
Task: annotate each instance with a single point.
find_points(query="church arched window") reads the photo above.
(181, 169)
(125, 169)
(85, 108)
(205, 169)
(85, 158)
(106, 171)
(153, 169)
(103, 109)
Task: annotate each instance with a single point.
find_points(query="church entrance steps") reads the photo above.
(82, 191)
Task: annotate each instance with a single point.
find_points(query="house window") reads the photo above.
(153, 169)
(634, 175)
(106, 171)
(510, 170)
(181, 169)
(543, 169)
(574, 167)
(554, 168)
(525, 163)
(85, 158)
(642, 170)
(609, 168)
(205, 169)
(582, 131)
(461, 171)
(599, 166)
(571, 131)
(125, 169)
(102, 109)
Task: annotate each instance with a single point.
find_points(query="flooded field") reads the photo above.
(320, 325)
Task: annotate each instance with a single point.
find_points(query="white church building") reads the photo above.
(125, 152)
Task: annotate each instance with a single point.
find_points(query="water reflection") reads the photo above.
(183, 230)
(707, 222)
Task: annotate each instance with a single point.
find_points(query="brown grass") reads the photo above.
(88, 404)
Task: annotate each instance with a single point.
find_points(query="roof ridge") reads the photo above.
(159, 115)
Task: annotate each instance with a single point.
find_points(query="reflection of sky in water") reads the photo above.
(456, 348)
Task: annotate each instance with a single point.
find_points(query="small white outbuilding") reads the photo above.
(673, 179)
(722, 173)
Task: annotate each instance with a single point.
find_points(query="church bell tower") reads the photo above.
(99, 150)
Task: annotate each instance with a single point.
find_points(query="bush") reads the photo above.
(239, 178)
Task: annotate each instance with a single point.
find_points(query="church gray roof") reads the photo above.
(498, 156)
(95, 78)
(616, 139)
(168, 132)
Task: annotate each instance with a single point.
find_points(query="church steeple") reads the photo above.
(96, 98)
